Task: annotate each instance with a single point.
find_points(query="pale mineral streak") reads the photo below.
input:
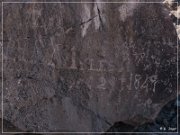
(126, 10)
(86, 15)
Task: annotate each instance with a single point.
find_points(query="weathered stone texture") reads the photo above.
(83, 67)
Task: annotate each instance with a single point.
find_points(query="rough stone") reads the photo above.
(84, 66)
(166, 121)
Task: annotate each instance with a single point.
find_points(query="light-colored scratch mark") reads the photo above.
(73, 58)
(91, 64)
(71, 67)
(153, 78)
(41, 41)
(102, 85)
(52, 43)
(35, 14)
(101, 62)
(53, 53)
(145, 84)
(137, 81)
(154, 88)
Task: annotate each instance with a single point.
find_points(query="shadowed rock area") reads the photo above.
(81, 67)
(166, 118)
(166, 121)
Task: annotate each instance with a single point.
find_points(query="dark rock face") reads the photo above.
(91, 63)
(166, 121)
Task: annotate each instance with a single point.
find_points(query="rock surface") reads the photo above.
(84, 66)
(166, 121)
